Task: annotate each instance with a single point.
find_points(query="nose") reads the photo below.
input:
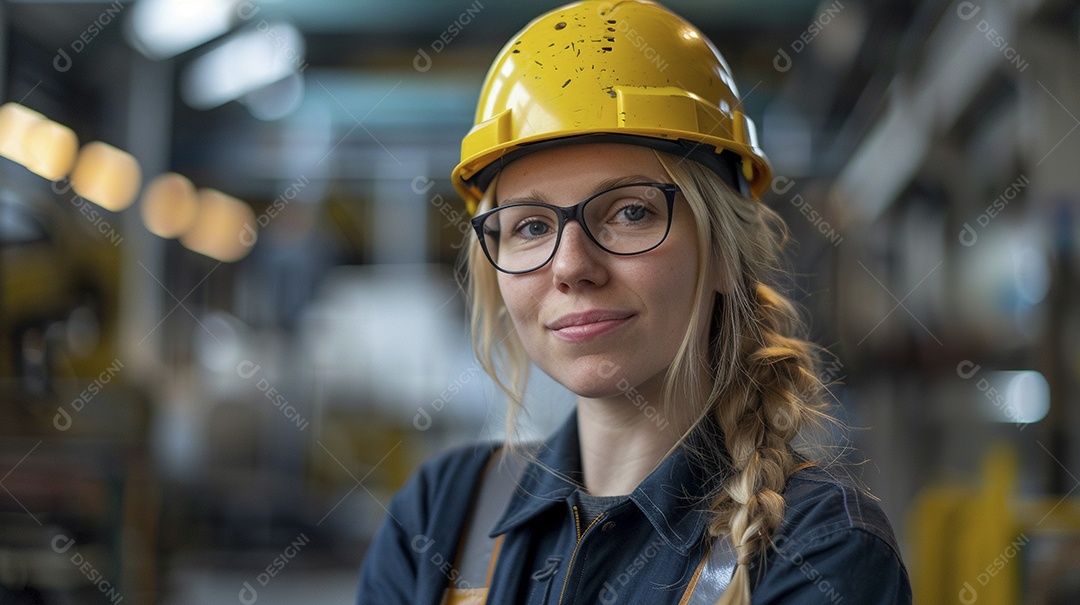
(578, 261)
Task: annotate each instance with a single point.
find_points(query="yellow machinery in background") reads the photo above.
(74, 439)
(986, 544)
(58, 304)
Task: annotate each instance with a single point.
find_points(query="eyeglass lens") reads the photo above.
(624, 220)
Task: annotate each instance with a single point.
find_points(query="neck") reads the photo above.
(623, 439)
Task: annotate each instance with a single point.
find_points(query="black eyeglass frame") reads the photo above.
(575, 213)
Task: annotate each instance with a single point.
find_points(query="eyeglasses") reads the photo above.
(627, 219)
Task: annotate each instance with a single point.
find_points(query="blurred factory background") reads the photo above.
(228, 313)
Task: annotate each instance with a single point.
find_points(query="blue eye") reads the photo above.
(633, 213)
(533, 228)
(536, 229)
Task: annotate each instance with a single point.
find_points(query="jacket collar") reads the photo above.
(670, 497)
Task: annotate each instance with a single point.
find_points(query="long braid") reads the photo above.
(778, 379)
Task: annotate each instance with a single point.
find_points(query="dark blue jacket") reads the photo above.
(835, 545)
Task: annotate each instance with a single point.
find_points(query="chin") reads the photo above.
(606, 391)
(595, 380)
(585, 380)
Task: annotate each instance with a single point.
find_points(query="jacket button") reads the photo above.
(610, 525)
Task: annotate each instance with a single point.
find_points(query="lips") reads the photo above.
(576, 327)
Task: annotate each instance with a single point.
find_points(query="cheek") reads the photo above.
(678, 298)
(517, 296)
(676, 291)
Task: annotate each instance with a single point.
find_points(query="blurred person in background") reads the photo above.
(622, 248)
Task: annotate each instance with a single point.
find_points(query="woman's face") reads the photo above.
(598, 323)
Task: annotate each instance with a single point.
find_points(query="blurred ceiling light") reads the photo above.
(1021, 397)
(16, 121)
(1032, 273)
(46, 148)
(161, 29)
(247, 61)
(107, 176)
(169, 205)
(219, 346)
(277, 99)
(223, 228)
(51, 149)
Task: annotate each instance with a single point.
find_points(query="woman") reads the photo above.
(621, 249)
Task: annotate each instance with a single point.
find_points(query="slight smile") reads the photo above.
(580, 327)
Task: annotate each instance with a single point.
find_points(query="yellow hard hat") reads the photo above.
(630, 71)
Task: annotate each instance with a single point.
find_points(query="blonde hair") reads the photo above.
(764, 374)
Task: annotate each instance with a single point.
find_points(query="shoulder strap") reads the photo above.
(717, 567)
(712, 576)
(477, 553)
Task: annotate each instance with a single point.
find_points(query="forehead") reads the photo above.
(574, 170)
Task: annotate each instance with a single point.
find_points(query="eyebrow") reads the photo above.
(538, 196)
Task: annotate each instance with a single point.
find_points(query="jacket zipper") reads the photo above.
(580, 535)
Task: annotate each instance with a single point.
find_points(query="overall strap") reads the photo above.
(717, 567)
(478, 553)
(712, 576)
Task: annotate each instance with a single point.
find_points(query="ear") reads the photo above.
(716, 277)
